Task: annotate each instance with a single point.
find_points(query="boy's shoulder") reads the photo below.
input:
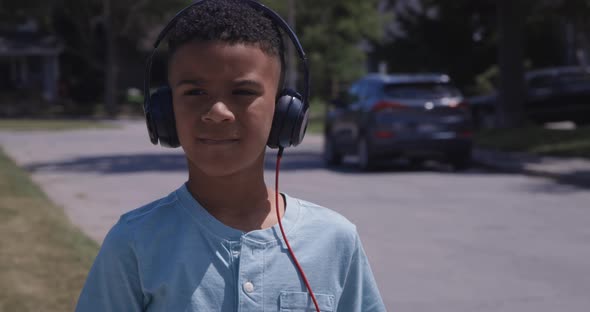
(321, 213)
(142, 223)
(145, 220)
(309, 219)
(156, 209)
(316, 217)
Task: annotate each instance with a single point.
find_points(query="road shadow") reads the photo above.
(350, 166)
(516, 163)
(580, 178)
(311, 160)
(116, 164)
(556, 184)
(292, 160)
(134, 163)
(576, 178)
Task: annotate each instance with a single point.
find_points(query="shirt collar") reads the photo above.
(224, 232)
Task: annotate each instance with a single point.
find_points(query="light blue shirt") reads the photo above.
(172, 255)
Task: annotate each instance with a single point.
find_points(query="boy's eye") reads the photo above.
(194, 92)
(245, 92)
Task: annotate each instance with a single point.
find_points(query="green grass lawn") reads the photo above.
(537, 140)
(315, 126)
(51, 124)
(44, 259)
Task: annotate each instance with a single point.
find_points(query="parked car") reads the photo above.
(552, 94)
(415, 116)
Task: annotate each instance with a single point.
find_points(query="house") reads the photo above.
(29, 60)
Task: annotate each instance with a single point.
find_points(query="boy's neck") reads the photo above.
(241, 201)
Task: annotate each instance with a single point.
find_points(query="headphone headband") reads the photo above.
(277, 19)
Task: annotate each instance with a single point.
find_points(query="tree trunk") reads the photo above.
(511, 16)
(111, 63)
(335, 86)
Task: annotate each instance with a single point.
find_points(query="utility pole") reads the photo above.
(291, 53)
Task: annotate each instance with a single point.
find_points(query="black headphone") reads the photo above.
(291, 109)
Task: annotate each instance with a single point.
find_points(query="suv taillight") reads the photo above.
(460, 105)
(385, 106)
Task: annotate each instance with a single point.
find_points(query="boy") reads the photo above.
(214, 244)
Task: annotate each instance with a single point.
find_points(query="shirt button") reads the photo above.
(248, 287)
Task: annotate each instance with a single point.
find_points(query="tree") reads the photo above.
(573, 13)
(332, 33)
(467, 39)
(12, 12)
(512, 15)
(455, 37)
(95, 31)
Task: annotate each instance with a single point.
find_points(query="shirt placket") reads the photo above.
(250, 276)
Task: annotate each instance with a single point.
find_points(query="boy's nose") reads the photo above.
(219, 112)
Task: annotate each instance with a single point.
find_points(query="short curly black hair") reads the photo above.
(231, 21)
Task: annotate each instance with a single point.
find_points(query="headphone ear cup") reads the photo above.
(289, 122)
(161, 116)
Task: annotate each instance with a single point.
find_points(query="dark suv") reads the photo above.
(552, 94)
(417, 116)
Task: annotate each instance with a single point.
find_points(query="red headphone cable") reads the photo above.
(279, 156)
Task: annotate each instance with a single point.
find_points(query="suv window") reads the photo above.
(559, 78)
(580, 77)
(363, 89)
(373, 89)
(420, 90)
(542, 82)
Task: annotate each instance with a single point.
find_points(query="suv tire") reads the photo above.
(460, 161)
(366, 159)
(330, 155)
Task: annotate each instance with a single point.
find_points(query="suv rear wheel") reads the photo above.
(460, 161)
(416, 162)
(331, 156)
(366, 159)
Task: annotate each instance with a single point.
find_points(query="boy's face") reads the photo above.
(224, 101)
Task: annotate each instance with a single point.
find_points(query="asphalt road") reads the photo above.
(437, 240)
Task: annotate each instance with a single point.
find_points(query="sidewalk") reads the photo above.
(566, 170)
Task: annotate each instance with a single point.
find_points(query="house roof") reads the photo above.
(24, 43)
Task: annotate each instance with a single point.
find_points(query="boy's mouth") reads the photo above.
(211, 141)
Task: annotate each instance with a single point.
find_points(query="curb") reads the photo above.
(565, 170)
